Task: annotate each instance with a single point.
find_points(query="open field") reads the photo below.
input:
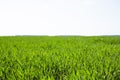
(60, 58)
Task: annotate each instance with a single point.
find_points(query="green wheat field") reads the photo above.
(59, 58)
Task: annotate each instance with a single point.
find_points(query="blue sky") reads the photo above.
(59, 17)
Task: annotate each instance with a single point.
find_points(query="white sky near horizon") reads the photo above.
(59, 17)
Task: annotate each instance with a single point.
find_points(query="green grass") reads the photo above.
(59, 58)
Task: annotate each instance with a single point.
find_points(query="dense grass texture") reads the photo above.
(59, 58)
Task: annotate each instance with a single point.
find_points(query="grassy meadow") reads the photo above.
(60, 58)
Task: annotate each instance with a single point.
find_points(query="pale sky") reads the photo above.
(59, 17)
